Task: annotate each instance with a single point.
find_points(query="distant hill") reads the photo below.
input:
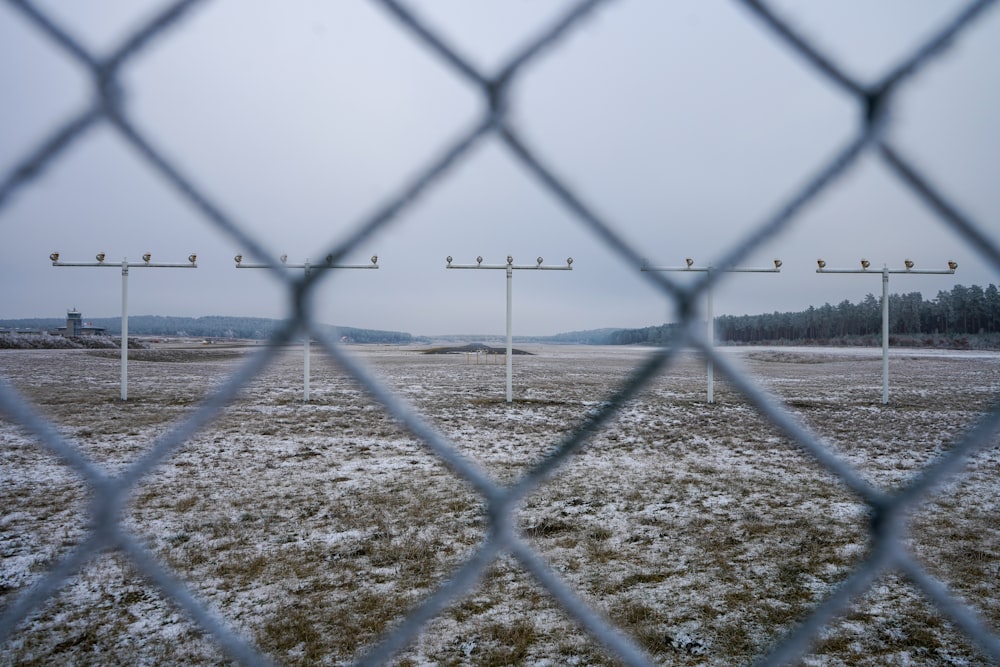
(260, 328)
(212, 326)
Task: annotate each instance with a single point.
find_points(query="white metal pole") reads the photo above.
(305, 368)
(885, 335)
(510, 340)
(305, 351)
(307, 269)
(711, 343)
(124, 344)
(710, 325)
(952, 266)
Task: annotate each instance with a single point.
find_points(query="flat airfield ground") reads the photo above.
(312, 529)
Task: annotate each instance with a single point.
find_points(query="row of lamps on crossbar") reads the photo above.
(284, 259)
(147, 257)
(865, 264)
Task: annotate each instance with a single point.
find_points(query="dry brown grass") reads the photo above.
(313, 529)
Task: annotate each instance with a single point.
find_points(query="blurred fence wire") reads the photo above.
(888, 511)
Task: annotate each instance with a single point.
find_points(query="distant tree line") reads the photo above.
(212, 326)
(589, 337)
(963, 311)
(660, 334)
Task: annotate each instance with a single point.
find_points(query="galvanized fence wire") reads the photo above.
(889, 512)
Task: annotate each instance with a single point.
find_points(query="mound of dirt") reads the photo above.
(472, 347)
(790, 357)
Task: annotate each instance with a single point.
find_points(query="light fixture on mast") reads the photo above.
(710, 324)
(307, 268)
(147, 263)
(509, 267)
(908, 264)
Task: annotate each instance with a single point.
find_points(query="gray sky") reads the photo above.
(683, 123)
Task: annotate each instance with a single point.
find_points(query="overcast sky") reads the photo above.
(684, 123)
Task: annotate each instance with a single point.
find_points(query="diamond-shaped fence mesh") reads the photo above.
(888, 529)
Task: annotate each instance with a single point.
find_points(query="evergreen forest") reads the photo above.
(950, 319)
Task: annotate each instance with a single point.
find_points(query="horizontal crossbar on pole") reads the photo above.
(878, 272)
(148, 265)
(309, 266)
(539, 265)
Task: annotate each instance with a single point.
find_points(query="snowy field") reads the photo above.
(314, 528)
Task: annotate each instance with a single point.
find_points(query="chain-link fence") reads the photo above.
(888, 528)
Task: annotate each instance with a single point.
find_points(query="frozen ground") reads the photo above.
(312, 529)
